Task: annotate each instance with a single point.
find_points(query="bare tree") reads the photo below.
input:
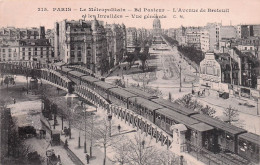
(141, 151)
(167, 158)
(102, 136)
(231, 114)
(122, 151)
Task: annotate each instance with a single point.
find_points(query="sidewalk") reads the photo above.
(97, 153)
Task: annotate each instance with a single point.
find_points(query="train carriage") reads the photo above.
(119, 96)
(165, 118)
(174, 106)
(198, 133)
(249, 146)
(65, 70)
(140, 93)
(82, 69)
(89, 81)
(143, 107)
(75, 76)
(226, 134)
(101, 88)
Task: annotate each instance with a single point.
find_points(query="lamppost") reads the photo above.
(92, 111)
(69, 95)
(109, 118)
(180, 79)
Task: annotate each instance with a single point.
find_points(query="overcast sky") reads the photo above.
(23, 13)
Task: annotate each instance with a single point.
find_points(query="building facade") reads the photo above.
(131, 39)
(86, 43)
(157, 31)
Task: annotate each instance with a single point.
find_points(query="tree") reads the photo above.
(143, 57)
(7, 81)
(188, 102)
(119, 82)
(103, 138)
(141, 151)
(122, 152)
(231, 114)
(130, 59)
(167, 158)
(208, 111)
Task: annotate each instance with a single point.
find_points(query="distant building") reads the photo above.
(9, 51)
(82, 42)
(131, 39)
(227, 32)
(157, 31)
(116, 42)
(245, 31)
(12, 34)
(36, 50)
(25, 44)
(210, 37)
(193, 35)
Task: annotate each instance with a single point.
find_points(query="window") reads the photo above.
(3, 50)
(29, 53)
(29, 49)
(23, 49)
(35, 48)
(9, 50)
(23, 53)
(35, 53)
(245, 48)
(72, 54)
(79, 59)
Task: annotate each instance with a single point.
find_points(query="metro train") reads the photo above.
(203, 131)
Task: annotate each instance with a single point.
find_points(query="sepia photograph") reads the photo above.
(129, 82)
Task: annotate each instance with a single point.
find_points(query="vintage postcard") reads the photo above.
(129, 82)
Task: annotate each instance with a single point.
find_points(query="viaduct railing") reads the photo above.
(137, 121)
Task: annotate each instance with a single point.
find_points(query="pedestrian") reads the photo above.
(59, 157)
(119, 128)
(14, 101)
(87, 157)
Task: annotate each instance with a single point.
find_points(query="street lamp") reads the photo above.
(90, 110)
(109, 118)
(180, 79)
(70, 95)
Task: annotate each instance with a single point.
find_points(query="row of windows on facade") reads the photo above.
(41, 48)
(35, 53)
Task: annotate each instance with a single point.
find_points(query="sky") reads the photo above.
(24, 13)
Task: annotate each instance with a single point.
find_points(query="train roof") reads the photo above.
(89, 78)
(254, 138)
(201, 127)
(77, 73)
(145, 103)
(121, 92)
(180, 118)
(174, 106)
(218, 124)
(141, 93)
(104, 85)
(65, 69)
